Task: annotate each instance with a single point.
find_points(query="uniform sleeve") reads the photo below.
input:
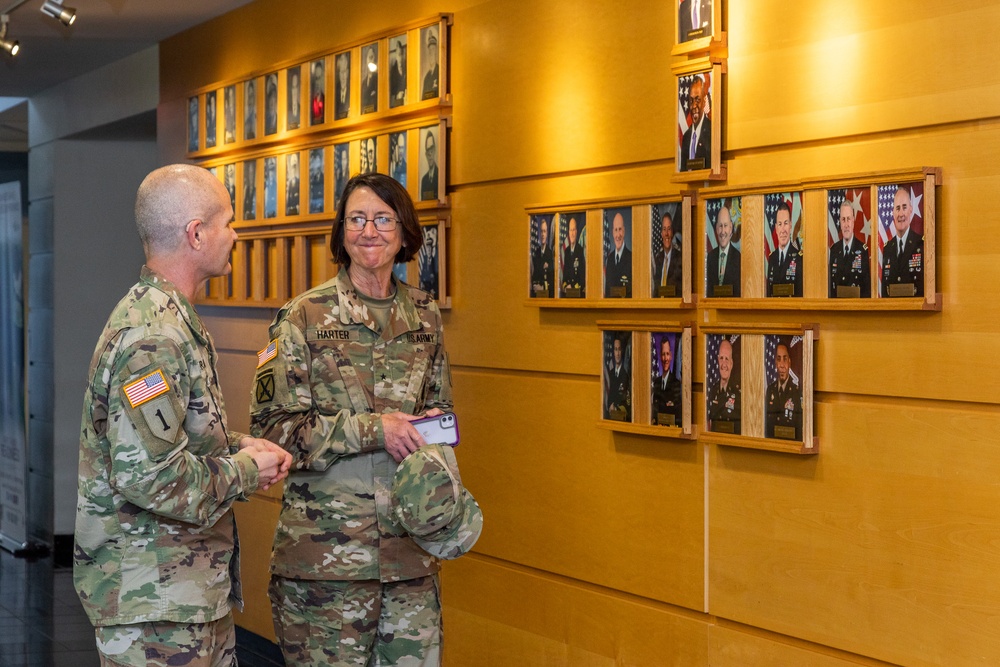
(155, 463)
(439, 387)
(283, 409)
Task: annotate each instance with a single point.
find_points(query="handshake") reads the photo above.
(272, 461)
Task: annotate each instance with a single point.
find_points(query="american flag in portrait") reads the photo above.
(794, 352)
(581, 233)
(656, 213)
(712, 207)
(771, 204)
(886, 201)
(656, 370)
(712, 342)
(535, 232)
(683, 106)
(860, 201)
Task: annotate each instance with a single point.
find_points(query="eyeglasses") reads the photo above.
(382, 223)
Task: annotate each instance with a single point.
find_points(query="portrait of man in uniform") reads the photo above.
(668, 264)
(250, 190)
(618, 375)
(293, 106)
(271, 103)
(694, 19)
(849, 266)
(572, 255)
(292, 184)
(317, 169)
(397, 156)
(250, 109)
(342, 86)
(782, 214)
(543, 267)
(427, 261)
(229, 180)
(429, 69)
(317, 92)
(341, 170)
(901, 265)
(229, 114)
(270, 187)
(428, 163)
(211, 127)
(617, 254)
(665, 387)
(723, 274)
(723, 407)
(783, 397)
(694, 149)
(397, 71)
(193, 123)
(369, 78)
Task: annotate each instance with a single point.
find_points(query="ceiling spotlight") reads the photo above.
(11, 46)
(55, 9)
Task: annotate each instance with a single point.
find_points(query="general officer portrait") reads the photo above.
(784, 265)
(903, 256)
(724, 399)
(722, 265)
(618, 261)
(850, 264)
(783, 398)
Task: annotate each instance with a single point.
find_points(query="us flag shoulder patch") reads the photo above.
(268, 353)
(146, 388)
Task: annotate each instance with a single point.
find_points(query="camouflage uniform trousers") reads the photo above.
(163, 643)
(358, 623)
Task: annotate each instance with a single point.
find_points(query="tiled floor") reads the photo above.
(42, 623)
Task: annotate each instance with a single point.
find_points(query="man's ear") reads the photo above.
(193, 232)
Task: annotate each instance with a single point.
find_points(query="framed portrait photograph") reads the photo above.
(783, 243)
(192, 125)
(397, 71)
(617, 252)
(430, 58)
(723, 391)
(694, 19)
(211, 126)
(368, 152)
(229, 114)
(293, 100)
(698, 144)
(573, 255)
(270, 187)
(317, 179)
(429, 165)
(229, 180)
(849, 224)
(666, 377)
(271, 104)
(397, 156)
(250, 109)
(369, 78)
(901, 239)
(428, 261)
(616, 376)
(723, 265)
(541, 256)
(428, 270)
(317, 92)
(250, 190)
(292, 189)
(783, 396)
(342, 85)
(341, 170)
(667, 247)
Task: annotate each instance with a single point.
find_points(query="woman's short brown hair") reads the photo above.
(398, 199)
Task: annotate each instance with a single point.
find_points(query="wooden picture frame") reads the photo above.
(698, 27)
(432, 165)
(429, 269)
(699, 103)
(759, 386)
(211, 119)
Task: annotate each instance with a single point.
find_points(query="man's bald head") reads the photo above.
(169, 198)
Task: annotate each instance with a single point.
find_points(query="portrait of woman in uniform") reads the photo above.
(617, 376)
(723, 397)
(849, 214)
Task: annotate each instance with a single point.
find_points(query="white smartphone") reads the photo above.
(442, 429)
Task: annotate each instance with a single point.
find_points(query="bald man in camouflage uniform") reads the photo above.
(341, 375)
(156, 558)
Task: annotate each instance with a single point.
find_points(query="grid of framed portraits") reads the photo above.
(865, 242)
(402, 71)
(759, 386)
(628, 253)
(646, 378)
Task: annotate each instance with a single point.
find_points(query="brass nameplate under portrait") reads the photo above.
(698, 32)
(666, 291)
(785, 432)
(617, 292)
(541, 292)
(782, 290)
(616, 415)
(573, 293)
(696, 164)
(722, 290)
(905, 289)
(664, 419)
(724, 427)
(848, 292)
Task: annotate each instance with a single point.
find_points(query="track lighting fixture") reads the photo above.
(11, 46)
(55, 9)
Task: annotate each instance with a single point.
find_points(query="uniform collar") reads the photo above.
(403, 315)
(186, 311)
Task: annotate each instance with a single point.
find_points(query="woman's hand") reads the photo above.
(401, 438)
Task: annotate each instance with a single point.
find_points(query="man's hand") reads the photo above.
(272, 461)
(401, 438)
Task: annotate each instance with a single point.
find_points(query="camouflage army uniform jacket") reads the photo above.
(155, 534)
(320, 390)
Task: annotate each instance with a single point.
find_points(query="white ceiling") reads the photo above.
(105, 31)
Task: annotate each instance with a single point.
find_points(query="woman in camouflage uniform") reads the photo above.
(349, 365)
